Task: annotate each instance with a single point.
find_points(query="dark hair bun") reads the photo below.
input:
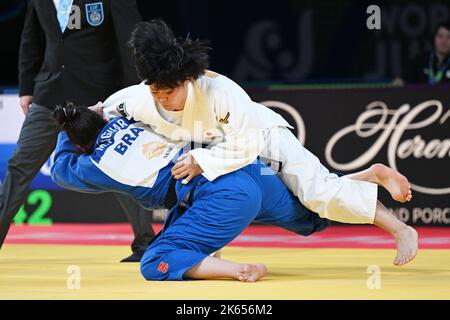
(64, 114)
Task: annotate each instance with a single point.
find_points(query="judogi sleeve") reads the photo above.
(122, 103)
(244, 138)
(125, 15)
(71, 171)
(31, 52)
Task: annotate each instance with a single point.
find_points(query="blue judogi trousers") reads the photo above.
(216, 213)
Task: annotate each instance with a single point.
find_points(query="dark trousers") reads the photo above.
(36, 143)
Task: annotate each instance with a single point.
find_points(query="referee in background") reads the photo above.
(71, 50)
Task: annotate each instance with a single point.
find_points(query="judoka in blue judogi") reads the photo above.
(130, 158)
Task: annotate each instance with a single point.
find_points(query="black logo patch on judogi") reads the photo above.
(225, 120)
(121, 108)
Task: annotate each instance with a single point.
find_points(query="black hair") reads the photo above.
(164, 60)
(81, 124)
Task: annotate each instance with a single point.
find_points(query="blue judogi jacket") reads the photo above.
(128, 157)
(100, 171)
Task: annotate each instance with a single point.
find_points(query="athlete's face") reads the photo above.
(171, 99)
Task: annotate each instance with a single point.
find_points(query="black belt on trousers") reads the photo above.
(171, 197)
(171, 201)
(276, 166)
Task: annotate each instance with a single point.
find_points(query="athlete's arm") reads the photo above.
(71, 170)
(123, 103)
(243, 138)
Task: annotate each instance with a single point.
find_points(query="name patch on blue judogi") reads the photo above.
(94, 13)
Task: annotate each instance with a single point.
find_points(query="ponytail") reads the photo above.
(64, 115)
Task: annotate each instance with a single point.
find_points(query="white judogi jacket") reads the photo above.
(216, 110)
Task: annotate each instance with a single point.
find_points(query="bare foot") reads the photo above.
(407, 245)
(394, 182)
(251, 272)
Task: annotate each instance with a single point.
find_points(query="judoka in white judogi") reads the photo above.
(220, 112)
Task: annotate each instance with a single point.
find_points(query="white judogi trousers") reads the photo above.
(332, 197)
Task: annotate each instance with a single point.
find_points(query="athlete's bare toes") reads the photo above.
(251, 272)
(409, 196)
(394, 182)
(407, 245)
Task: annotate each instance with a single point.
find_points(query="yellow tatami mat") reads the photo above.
(94, 272)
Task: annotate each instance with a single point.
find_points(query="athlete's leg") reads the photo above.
(282, 209)
(220, 212)
(141, 224)
(406, 237)
(214, 268)
(334, 198)
(394, 182)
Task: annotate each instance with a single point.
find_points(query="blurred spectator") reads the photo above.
(434, 67)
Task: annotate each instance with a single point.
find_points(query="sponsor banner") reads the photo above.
(11, 118)
(45, 207)
(405, 128)
(348, 129)
(41, 181)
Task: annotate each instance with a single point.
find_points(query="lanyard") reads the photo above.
(432, 77)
